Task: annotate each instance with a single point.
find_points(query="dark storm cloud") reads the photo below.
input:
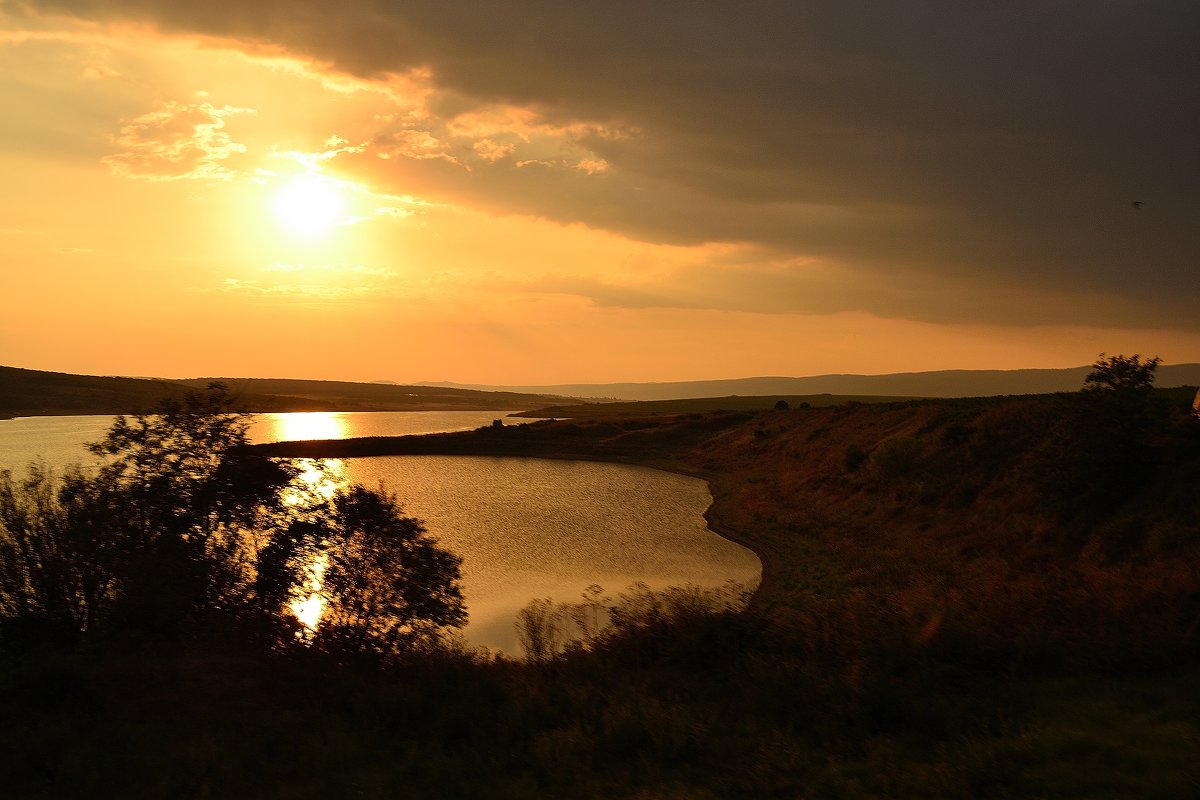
(984, 144)
(799, 289)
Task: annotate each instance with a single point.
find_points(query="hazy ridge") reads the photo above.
(940, 383)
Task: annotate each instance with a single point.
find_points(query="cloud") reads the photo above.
(940, 149)
(177, 141)
(815, 290)
(492, 151)
(414, 143)
(313, 283)
(592, 166)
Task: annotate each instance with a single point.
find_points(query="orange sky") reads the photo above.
(538, 196)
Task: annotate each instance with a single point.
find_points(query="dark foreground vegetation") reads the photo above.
(966, 598)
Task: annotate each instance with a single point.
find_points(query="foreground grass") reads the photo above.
(624, 722)
(1103, 736)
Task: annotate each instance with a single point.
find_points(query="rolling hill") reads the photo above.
(27, 392)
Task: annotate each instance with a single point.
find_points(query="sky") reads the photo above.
(536, 192)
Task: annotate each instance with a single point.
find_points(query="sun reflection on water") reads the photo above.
(318, 481)
(309, 610)
(300, 426)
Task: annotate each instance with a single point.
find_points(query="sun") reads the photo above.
(310, 205)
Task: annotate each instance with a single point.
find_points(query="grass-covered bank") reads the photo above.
(973, 598)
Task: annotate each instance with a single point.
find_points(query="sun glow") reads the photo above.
(310, 205)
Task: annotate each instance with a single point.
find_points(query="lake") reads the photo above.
(525, 528)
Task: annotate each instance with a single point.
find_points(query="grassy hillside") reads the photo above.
(346, 396)
(26, 392)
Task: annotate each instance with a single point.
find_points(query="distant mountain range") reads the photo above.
(27, 392)
(942, 383)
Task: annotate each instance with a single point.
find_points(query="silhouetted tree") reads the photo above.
(185, 507)
(1123, 404)
(1109, 447)
(386, 585)
(1121, 374)
(183, 531)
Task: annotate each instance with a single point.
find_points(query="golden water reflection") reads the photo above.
(308, 425)
(319, 480)
(309, 609)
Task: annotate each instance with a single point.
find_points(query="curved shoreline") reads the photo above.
(769, 564)
(713, 515)
(768, 573)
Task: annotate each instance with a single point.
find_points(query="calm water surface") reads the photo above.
(59, 441)
(525, 528)
(531, 528)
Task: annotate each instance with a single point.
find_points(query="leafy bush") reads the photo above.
(546, 630)
(854, 457)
